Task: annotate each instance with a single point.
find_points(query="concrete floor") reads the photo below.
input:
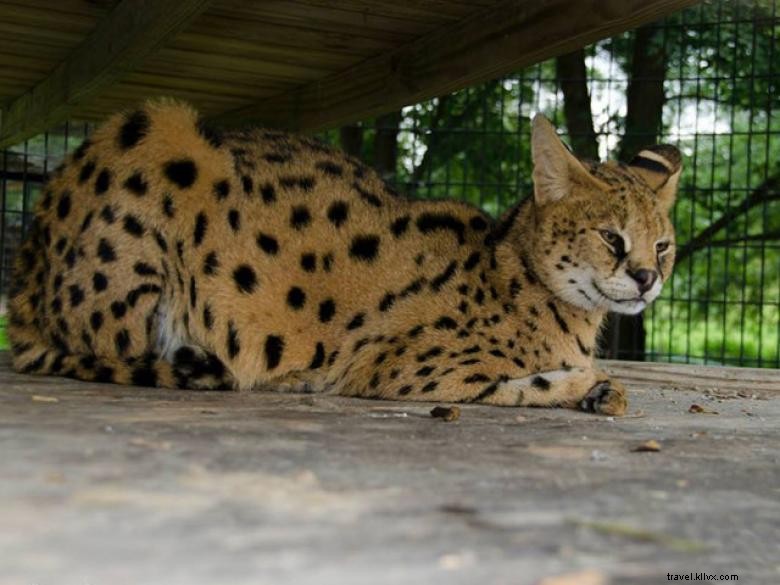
(106, 484)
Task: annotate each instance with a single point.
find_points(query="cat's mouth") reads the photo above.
(613, 299)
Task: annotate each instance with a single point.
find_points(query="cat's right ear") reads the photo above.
(556, 169)
(660, 167)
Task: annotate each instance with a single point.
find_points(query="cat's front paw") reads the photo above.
(607, 397)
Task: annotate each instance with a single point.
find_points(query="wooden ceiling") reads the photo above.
(304, 64)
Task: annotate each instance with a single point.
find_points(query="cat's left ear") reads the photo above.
(659, 166)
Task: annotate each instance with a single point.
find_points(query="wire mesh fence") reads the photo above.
(705, 79)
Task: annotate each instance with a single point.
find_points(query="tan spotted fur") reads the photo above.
(166, 254)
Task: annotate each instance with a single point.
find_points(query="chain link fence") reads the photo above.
(706, 80)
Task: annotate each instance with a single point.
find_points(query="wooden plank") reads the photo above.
(497, 41)
(747, 381)
(296, 489)
(118, 44)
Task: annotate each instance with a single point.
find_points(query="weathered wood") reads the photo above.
(119, 43)
(497, 41)
(112, 484)
(760, 381)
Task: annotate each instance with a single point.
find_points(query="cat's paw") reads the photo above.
(607, 397)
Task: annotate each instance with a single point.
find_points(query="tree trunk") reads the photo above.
(386, 145)
(645, 96)
(573, 80)
(351, 140)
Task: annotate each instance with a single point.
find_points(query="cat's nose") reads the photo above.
(645, 279)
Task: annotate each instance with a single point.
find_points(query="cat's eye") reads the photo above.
(610, 237)
(661, 247)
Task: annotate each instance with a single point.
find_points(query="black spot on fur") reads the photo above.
(425, 371)
(445, 322)
(133, 226)
(430, 386)
(193, 292)
(221, 189)
(76, 294)
(144, 375)
(201, 225)
(167, 206)
(134, 129)
(478, 223)
(161, 242)
(364, 248)
(302, 183)
(387, 302)
(118, 309)
(99, 282)
(268, 193)
(296, 298)
(36, 364)
(404, 390)
(441, 279)
(122, 341)
(300, 217)
(267, 244)
(471, 262)
(475, 378)
(136, 184)
(431, 222)
(274, 347)
(210, 263)
(337, 213)
(107, 214)
(103, 182)
(245, 278)
(233, 343)
(540, 383)
(327, 310)
(586, 351)
(247, 184)
(400, 225)
(431, 353)
(276, 157)
(327, 261)
(70, 257)
(81, 151)
(86, 172)
(330, 168)
(144, 269)
(319, 357)
(208, 317)
(487, 392)
(234, 219)
(105, 251)
(558, 319)
(367, 196)
(87, 222)
(144, 289)
(63, 205)
(309, 262)
(356, 322)
(96, 321)
(104, 375)
(182, 173)
(529, 273)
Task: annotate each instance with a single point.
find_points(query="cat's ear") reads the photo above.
(556, 169)
(660, 167)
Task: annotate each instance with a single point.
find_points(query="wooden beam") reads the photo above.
(494, 42)
(132, 31)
